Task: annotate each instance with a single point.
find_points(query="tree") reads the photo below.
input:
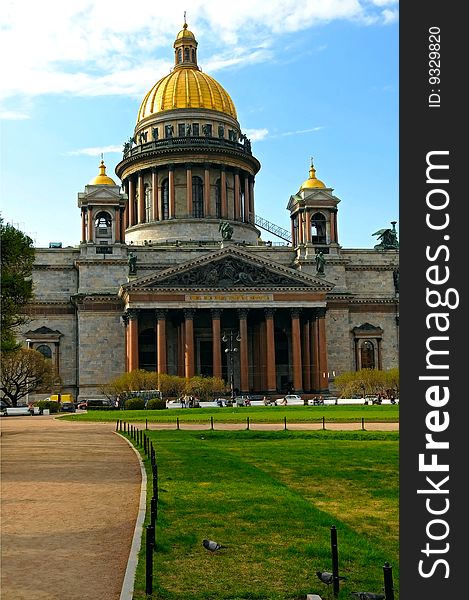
(25, 371)
(367, 381)
(17, 256)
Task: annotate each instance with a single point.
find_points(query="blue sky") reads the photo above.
(308, 78)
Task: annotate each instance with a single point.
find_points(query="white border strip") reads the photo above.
(129, 577)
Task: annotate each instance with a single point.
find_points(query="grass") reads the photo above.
(272, 498)
(256, 414)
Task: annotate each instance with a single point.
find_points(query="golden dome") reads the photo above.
(102, 178)
(185, 33)
(312, 182)
(186, 86)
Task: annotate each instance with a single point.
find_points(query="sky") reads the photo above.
(309, 78)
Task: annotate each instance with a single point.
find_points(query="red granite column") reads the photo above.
(296, 349)
(308, 227)
(207, 211)
(141, 199)
(90, 224)
(83, 224)
(131, 202)
(162, 363)
(172, 201)
(246, 198)
(251, 198)
(154, 195)
(237, 206)
(243, 350)
(224, 205)
(306, 354)
(323, 369)
(270, 350)
(216, 342)
(315, 355)
(189, 343)
(117, 228)
(132, 339)
(300, 228)
(189, 189)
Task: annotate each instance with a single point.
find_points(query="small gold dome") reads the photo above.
(185, 33)
(312, 182)
(102, 178)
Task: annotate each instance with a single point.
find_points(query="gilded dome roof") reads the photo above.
(186, 86)
(102, 178)
(312, 181)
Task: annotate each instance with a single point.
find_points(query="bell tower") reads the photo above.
(313, 214)
(102, 207)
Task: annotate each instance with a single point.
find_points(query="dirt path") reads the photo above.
(69, 503)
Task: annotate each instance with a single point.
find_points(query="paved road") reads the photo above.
(69, 502)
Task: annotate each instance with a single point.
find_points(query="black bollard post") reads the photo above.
(150, 534)
(335, 561)
(211, 423)
(155, 485)
(388, 583)
(324, 422)
(363, 423)
(117, 425)
(153, 518)
(285, 423)
(247, 423)
(146, 423)
(177, 423)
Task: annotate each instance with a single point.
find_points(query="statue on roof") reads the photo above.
(320, 262)
(226, 230)
(388, 238)
(132, 261)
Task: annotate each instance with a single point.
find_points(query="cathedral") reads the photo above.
(172, 275)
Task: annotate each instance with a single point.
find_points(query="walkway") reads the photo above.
(69, 502)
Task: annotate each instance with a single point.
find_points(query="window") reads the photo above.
(193, 55)
(195, 129)
(197, 197)
(179, 56)
(45, 351)
(367, 351)
(186, 55)
(103, 224)
(181, 130)
(147, 203)
(165, 197)
(318, 226)
(218, 199)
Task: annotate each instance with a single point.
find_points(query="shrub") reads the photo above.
(156, 404)
(134, 404)
(50, 404)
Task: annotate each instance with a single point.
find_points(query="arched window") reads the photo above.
(147, 203)
(179, 55)
(165, 197)
(218, 199)
(193, 55)
(103, 224)
(197, 197)
(45, 351)
(186, 55)
(318, 226)
(367, 357)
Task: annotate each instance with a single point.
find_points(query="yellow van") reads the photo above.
(61, 398)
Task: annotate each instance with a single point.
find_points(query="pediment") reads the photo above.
(230, 268)
(103, 193)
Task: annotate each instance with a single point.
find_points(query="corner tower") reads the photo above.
(313, 214)
(188, 165)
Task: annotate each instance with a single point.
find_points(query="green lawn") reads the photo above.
(256, 414)
(272, 497)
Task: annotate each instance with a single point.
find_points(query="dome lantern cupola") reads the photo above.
(185, 48)
(102, 178)
(312, 182)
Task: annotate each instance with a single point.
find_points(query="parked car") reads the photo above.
(67, 407)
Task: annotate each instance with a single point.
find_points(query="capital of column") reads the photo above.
(295, 312)
(132, 313)
(171, 167)
(125, 319)
(321, 313)
(216, 312)
(161, 313)
(243, 313)
(189, 313)
(269, 313)
(189, 165)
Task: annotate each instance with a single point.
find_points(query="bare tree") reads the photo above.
(24, 372)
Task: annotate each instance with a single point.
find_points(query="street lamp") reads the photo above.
(230, 337)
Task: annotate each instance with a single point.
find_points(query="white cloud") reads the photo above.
(256, 135)
(96, 151)
(91, 48)
(11, 115)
